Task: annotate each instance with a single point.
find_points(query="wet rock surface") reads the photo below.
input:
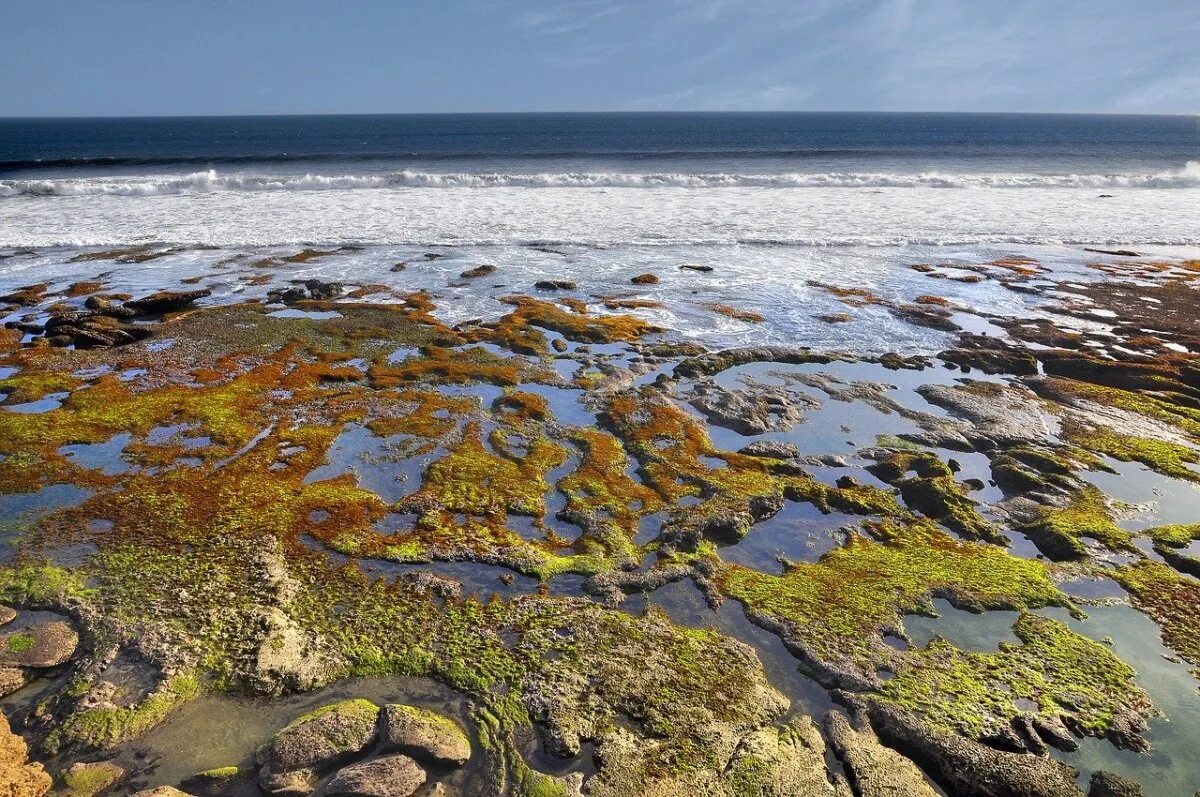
(512, 506)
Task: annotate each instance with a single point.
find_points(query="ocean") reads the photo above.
(769, 200)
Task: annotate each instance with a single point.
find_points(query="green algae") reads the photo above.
(840, 607)
(1066, 676)
(1058, 531)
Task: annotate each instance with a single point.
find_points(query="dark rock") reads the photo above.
(479, 271)
(396, 269)
(321, 290)
(645, 279)
(990, 355)
(1114, 252)
(388, 776)
(166, 301)
(97, 302)
(424, 735)
(695, 267)
(718, 361)
(923, 316)
(555, 285)
(290, 295)
(1109, 784)
(559, 345)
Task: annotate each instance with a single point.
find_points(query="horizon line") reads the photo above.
(6, 118)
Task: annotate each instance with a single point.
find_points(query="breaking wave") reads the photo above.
(212, 181)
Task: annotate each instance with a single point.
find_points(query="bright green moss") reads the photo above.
(1169, 459)
(1058, 531)
(838, 606)
(1067, 676)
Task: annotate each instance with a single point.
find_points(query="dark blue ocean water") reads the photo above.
(636, 142)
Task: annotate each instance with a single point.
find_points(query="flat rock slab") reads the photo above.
(7, 615)
(45, 645)
(424, 735)
(389, 776)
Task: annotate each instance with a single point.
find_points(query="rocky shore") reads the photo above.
(263, 498)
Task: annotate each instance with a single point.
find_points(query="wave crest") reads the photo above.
(212, 181)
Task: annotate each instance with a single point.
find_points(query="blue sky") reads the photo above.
(119, 57)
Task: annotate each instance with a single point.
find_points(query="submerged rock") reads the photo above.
(479, 271)
(89, 779)
(555, 285)
(162, 791)
(424, 735)
(752, 410)
(388, 776)
(1108, 784)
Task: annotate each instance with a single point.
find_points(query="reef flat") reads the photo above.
(566, 550)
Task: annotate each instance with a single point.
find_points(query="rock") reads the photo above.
(771, 449)
(784, 761)
(424, 735)
(645, 279)
(1001, 415)
(966, 768)
(97, 302)
(479, 271)
(752, 409)
(695, 267)
(166, 301)
(1108, 784)
(923, 316)
(990, 355)
(555, 285)
(1114, 252)
(86, 780)
(321, 290)
(873, 770)
(11, 679)
(214, 782)
(317, 741)
(396, 269)
(291, 658)
(388, 776)
(715, 362)
(290, 295)
(18, 778)
(559, 345)
(7, 615)
(44, 645)
(162, 791)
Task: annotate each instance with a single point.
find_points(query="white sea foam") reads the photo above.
(213, 181)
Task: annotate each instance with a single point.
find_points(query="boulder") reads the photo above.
(388, 776)
(166, 301)
(44, 645)
(479, 271)
(645, 279)
(7, 614)
(319, 289)
(424, 735)
(17, 778)
(555, 285)
(695, 267)
(317, 741)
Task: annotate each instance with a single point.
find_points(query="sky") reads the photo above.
(171, 57)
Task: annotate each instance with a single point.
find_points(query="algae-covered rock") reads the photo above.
(213, 782)
(43, 645)
(166, 301)
(11, 679)
(315, 742)
(387, 776)
(7, 614)
(162, 791)
(88, 779)
(424, 735)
